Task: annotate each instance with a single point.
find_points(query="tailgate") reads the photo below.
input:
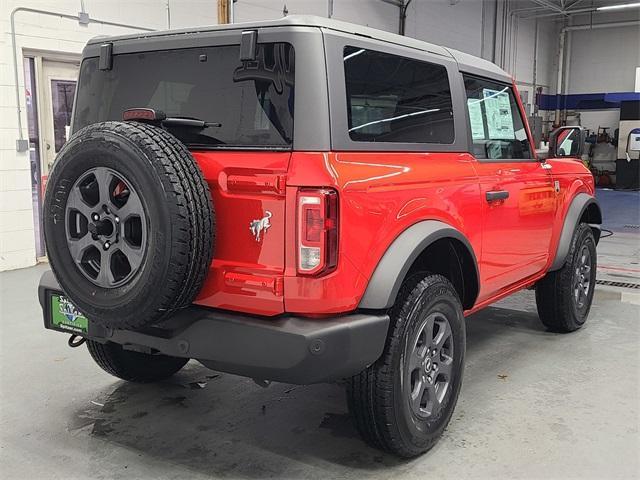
(248, 192)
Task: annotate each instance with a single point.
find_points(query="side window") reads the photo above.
(497, 128)
(396, 99)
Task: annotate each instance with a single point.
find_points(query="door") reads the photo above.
(58, 87)
(517, 190)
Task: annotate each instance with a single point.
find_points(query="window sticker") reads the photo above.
(499, 118)
(475, 118)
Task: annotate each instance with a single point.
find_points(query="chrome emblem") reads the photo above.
(259, 227)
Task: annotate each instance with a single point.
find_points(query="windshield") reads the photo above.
(248, 104)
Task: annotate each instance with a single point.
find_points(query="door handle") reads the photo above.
(496, 195)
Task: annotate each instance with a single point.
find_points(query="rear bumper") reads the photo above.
(285, 349)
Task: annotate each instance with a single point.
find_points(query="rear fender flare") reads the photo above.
(392, 269)
(579, 205)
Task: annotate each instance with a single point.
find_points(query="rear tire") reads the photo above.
(133, 366)
(404, 401)
(564, 296)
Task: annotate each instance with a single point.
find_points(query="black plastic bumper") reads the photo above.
(286, 349)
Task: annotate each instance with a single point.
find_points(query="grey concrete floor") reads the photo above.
(533, 405)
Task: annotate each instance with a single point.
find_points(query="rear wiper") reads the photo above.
(189, 122)
(158, 116)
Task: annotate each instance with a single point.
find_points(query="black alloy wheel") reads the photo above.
(429, 365)
(106, 227)
(582, 280)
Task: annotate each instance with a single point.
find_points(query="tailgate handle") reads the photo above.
(495, 195)
(274, 285)
(257, 183)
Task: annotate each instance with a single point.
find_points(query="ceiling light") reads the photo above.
(619, 7)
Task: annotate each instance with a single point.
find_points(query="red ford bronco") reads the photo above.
(306, 200)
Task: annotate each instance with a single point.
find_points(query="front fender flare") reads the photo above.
(388, 276)
(576, 210)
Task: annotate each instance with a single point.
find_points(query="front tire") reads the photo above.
(564, 296)
(404, 401)
(133, 366)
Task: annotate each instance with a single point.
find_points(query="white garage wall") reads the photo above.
(547, 65)
(604, 60)
(372, 13)
(521, 53)
(438, 21)
(256, 10)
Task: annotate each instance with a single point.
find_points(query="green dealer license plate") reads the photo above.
(65, 316)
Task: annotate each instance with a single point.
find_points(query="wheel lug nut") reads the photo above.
(106, 245)
(95, 217)
(429, 379)
(117, 219)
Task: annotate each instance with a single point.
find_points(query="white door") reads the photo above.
(58, 87)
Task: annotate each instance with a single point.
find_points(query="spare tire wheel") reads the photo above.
(128, 223)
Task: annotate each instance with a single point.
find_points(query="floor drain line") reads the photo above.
(609, 283)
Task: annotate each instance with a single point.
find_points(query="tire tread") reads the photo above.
(370, 394)
(554, 298)
(133, 366)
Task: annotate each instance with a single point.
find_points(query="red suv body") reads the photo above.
(370, 158)
(381, 195)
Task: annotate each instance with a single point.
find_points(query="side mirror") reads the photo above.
(567, 142)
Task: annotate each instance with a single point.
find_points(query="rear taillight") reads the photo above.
(317, 231)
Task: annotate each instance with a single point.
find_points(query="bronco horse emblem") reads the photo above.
(260, 227)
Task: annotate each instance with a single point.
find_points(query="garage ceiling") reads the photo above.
(538, 8)
(550, 8)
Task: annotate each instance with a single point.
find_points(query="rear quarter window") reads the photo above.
(396, 99)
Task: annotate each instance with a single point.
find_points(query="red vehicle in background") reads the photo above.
(308, 200)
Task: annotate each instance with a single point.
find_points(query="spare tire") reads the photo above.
(128, 223)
